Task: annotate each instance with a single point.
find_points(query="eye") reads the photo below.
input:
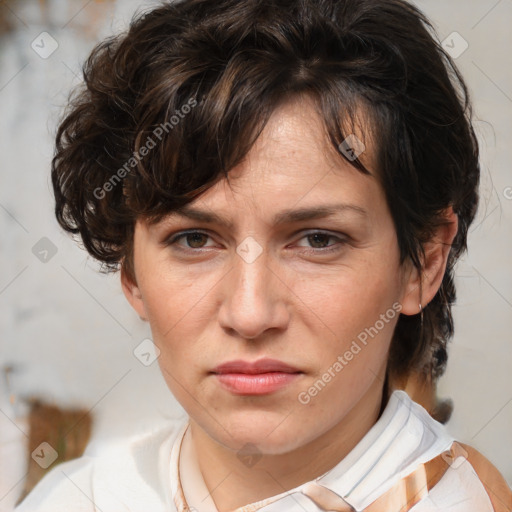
(319, 239)
(194, 239)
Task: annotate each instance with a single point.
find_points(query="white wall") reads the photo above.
(68, 332)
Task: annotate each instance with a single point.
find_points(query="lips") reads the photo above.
(253, 368)
(255, 378)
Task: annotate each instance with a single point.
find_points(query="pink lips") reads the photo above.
(256, 378)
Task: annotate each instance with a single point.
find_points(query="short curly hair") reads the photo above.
(171, 105)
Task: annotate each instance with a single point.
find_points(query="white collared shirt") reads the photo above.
(159, 472)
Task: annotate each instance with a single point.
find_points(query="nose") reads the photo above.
(255, 298)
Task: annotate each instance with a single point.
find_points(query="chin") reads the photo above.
(271, 433)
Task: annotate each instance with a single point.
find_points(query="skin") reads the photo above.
(207, 305)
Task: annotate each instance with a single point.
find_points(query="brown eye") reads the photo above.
(319, 238)
(318, 242)
(194, 240)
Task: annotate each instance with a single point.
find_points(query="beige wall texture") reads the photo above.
(67, 332)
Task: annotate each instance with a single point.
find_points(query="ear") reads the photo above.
(420, 288)
(132, 293)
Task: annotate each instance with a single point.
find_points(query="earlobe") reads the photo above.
(133, 294)
(421, 287)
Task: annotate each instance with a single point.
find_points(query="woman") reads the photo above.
(285, 187)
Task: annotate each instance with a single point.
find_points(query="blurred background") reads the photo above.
(69, 339)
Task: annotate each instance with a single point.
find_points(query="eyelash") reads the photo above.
(326, 250)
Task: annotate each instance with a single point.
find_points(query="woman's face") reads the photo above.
(266, 278)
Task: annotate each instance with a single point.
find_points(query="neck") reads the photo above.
(233, 485)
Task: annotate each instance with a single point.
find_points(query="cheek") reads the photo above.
(351, 313)
(349, 297)
(180, 309)
(173, 296)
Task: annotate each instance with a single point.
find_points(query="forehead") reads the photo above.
(292, 173)
(294, 161)
(296, 137)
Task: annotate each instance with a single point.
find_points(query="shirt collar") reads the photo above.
(404, 436)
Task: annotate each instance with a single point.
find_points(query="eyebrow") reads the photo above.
(285, 217)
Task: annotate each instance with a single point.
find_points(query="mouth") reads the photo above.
(255, 378)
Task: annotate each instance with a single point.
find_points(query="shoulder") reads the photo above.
(69, 482)
(458, 477)
(123, 474)
(495, 485)
(461, 479)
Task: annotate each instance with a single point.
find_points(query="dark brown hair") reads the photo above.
(170, 106)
